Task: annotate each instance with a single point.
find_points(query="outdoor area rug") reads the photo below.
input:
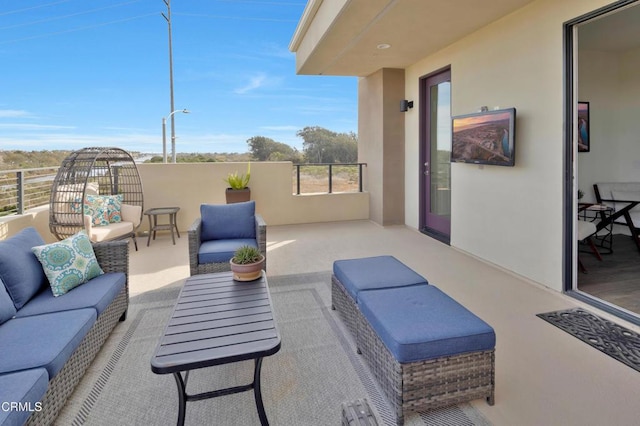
(608, 337)
(305, 383)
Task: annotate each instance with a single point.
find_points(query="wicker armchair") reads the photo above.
(195, 233)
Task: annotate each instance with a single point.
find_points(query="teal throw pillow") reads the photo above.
(103, 209)
(68, 263)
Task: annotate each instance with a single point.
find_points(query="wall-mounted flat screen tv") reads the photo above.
(486, 137)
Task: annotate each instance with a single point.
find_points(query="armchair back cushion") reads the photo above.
(20, 270)
(228, 221)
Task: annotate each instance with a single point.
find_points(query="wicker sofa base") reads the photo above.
(63, 384)
(416, 386)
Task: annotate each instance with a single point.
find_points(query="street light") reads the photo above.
(173, 139)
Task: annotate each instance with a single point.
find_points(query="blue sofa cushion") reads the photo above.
(374, 273)
(97, 293)
(7, 308)
(218, 251)
(228, 221)
(46, 340)
(421, 322)
(25, 387)
(19, 268)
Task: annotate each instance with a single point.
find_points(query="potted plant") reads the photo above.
(238, 191)
(247, 263)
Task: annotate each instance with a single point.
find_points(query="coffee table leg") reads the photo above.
(150, 230)
(182, 398)
(258, 394)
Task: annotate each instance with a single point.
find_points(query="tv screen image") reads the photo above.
(486, 137)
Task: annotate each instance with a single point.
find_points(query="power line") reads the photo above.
(56, 18)
(88, 27)
(11, 12)
(238, 18)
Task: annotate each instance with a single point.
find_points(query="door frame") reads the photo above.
(424, 129)
(569, 261)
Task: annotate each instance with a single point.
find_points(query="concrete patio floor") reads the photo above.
(544, 376)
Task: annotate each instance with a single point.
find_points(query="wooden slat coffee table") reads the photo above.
(216, 321)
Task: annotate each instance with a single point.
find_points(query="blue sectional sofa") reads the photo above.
(48, 342)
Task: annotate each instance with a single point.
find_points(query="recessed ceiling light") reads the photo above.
(383, 46)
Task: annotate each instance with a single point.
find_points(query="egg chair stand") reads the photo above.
(96, 171)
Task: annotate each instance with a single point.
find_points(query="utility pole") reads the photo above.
(171, 108)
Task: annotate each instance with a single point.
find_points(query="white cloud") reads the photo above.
(32, 127)
(255, 82)
(13, 113)
(281, 128)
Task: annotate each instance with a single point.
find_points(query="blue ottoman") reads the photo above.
(425, 349)
(353, 276)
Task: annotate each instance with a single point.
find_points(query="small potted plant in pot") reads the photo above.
(247, 264)
(238, 191)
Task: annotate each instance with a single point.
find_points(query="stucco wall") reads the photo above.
(508, 216)
(189, 185)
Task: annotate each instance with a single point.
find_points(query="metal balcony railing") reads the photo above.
(23, 189)
(328, 178)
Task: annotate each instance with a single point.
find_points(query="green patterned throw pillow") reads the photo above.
(68, 263)
(103, 209)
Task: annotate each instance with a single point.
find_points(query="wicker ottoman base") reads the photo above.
(357, 413)
(344, 304)
(428, 384)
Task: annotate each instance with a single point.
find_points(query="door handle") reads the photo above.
(426, 168)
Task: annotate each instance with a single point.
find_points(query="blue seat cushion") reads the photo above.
(227, 221)
(46, 340)
(27, 387)
(421, 322)
(374, 273)
(7, 308)
(97, 293)
(20, 270)
(218, 251)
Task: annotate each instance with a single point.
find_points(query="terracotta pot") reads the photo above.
(248, 272)
(238, 195)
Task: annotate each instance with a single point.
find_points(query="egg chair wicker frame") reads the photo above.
(112, 169)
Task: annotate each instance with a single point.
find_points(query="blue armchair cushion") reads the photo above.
(97, 294)
(374, 273)
(46, 340)
(218, 251)
(68, 263)
(228, 221)
(19, 268)
(421, 322)
(7, 308)
(27, 387)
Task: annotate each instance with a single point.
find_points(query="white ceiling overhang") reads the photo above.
(341, 37)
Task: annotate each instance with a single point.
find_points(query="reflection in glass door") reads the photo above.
(435, 155)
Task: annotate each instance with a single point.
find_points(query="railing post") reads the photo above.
(330, 178)
(298, 178)
(360, 177)
(20, 191)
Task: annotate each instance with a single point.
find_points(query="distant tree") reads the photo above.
(266, 149)
(325, 146)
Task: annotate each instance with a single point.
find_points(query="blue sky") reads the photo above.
(81, 73)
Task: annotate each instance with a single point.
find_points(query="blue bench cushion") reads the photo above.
(46, 340)
(19, 268)
(421, 322)
(218, 251)
(97, 293)
(373, 273)
(26, 387)
(7, 308)
(228, 221)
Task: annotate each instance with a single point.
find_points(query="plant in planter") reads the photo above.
(247, 264)
(238, 191)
